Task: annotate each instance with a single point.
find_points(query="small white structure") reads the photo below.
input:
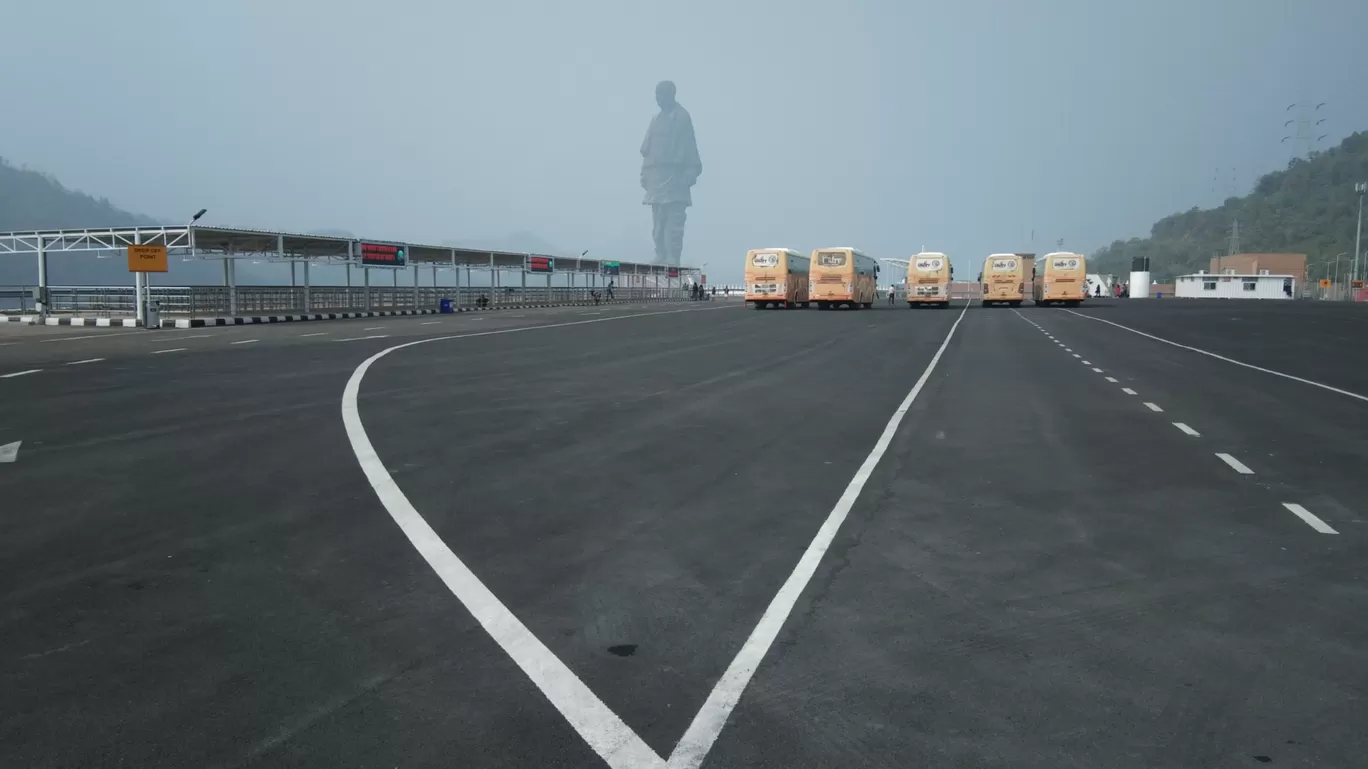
(1095, 280)
(1139, 286)
(1205, 285)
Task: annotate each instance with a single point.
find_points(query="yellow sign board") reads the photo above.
(147, 259)
(1325, 283)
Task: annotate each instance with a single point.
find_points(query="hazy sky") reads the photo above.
(887, 125)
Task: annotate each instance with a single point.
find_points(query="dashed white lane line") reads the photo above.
(1076, 355)
(1310, 518)
(431, 322)
(1235, 464)
(316, 333)
(20, 373)
(245, 341)
(1087, 363)
(360, 338)
(373, 328)
(1098, 370)
(196, 336)
(173, 349)
(1129, 391)
(1153, 407)
(1067, 349)
(1222, 357)
(1187, 429)
(81, 362)
(1111, 379)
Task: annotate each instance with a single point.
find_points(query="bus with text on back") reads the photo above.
(1005, 277)
(843, 276)
(1063, 278)
(776, 276)
(928, 279)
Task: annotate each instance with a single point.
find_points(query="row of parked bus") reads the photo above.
(837, 277)
(844, 277)
(1060, 278)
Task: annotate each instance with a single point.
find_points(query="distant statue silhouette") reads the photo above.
(670, 166)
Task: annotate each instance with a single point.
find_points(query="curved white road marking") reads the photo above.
(1224, 358)
(602, 729)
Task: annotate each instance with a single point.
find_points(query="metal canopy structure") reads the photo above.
(240, 243)
(228, 245)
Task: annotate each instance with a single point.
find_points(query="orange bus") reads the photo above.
(928, 279)
(1005, 277)
(1062, 278)
(843, 276)
(776, 276)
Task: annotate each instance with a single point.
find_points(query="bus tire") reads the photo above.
(943, 306)
(821, 305)
(806, 305)
(1016, 303)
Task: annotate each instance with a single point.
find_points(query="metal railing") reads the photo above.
(216, 301)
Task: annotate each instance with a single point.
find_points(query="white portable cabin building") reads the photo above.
(1205, 285)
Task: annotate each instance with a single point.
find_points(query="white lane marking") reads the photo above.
(600, 727)
(1068, 349)
(245, 341)
(1076, 355)
(80, 362)
(1129, 391)
(1187, 429)
(1153, 407)
(373, 328)
(691, 749)
(20, 373)
(197, 336)
(1235, 464)
(1111, 379)
(361, 338)
(517, 316)
(431, 322)
(1227, 360)
(1311, 519)
(316, 333)
(9, 452)
(1098, 370)
(1061, 344)
(1087, 363)
(173, 349)
(91, 336)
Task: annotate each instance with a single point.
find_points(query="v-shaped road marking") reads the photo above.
(614, 741)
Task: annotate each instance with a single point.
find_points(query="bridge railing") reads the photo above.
(211, 301)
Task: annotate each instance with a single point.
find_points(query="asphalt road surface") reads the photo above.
(691, 535)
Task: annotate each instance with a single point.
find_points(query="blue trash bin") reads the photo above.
(445, 307)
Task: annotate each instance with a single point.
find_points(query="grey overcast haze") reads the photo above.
(962, 127)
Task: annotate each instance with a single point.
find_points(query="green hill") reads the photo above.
(1309, 208)
(30, 200)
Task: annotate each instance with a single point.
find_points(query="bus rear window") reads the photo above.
(835, 259)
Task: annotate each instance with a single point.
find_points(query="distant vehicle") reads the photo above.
(1061, 279)
(1005, 277)
(928, 279)
(776, 277)
(843, 276)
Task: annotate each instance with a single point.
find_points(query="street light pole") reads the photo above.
(1360, 188)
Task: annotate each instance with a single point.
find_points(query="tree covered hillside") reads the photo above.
(30, 200)
(1309, 208)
